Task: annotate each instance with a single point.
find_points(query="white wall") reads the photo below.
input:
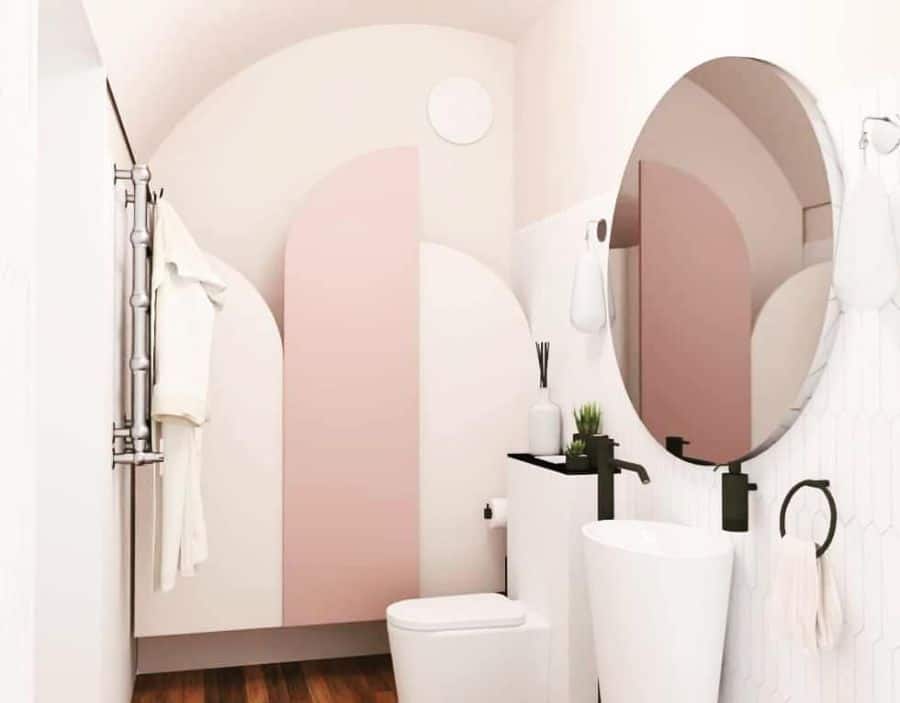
(238, 165)
(84, 650)
(18, 146)
(848, 433)
(589, 73)
(119, 647)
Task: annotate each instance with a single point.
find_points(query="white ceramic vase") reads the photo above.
(544, 425)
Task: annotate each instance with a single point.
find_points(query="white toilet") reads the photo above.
(477, 648)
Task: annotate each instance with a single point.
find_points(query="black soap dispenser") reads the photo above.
(736, 489)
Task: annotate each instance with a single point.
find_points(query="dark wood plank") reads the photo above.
(256, 687)
(211, 686)
(192, 687)
(276, 686)
(366, 684)
(346, 682)
(317, 682)
(295, 682)
(158, 688)
(224, 685)
(356, 680)
(379, 671)
(175, 687)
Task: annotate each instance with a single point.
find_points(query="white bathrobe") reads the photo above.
(187, 293)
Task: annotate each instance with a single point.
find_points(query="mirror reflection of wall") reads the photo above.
(720, 259)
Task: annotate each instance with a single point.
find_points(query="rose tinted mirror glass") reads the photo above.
(720, 261)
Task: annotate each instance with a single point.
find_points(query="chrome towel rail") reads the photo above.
(136, 436)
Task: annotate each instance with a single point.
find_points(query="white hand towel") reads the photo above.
(830, 615)
(865, 263)
(795, 596)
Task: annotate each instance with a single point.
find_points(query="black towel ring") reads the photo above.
(822, 486)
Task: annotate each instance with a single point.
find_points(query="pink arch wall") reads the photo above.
(696, 311)
(351, 393)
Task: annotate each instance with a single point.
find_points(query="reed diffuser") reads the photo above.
(544, 418)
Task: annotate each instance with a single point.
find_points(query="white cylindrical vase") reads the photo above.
(544, 425)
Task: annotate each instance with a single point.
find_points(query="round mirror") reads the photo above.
(720, 262)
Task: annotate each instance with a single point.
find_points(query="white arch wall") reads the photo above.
(793, 312)
(240, 585)
(477, 380)
(237, 166)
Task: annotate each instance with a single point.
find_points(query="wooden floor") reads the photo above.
(360, 680)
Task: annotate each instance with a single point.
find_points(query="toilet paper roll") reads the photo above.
(498, 513)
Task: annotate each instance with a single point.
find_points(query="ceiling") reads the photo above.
(164, 56)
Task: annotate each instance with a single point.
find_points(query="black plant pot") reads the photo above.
(583, 437)
(580, 464)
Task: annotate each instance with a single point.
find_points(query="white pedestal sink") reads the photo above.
(659, 603)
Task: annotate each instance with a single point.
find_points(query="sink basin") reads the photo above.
(659, 603)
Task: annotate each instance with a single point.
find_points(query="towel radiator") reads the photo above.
(135, 442)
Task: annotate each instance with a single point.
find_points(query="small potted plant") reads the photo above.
(577, 458)
(588, 421)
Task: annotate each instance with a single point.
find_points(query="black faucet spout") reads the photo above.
(636, 468)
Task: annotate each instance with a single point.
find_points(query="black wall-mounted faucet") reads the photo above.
(601, 452)
(736, 487)
(675, 445)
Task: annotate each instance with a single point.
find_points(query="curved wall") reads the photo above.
(238, 165)
(219, 39)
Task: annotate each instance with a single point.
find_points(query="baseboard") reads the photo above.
(246, 647)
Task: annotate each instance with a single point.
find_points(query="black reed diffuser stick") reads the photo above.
(543, 354)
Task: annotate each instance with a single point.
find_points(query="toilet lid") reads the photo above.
(469, 612)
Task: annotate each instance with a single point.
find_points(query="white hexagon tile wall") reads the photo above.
(849, 433)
